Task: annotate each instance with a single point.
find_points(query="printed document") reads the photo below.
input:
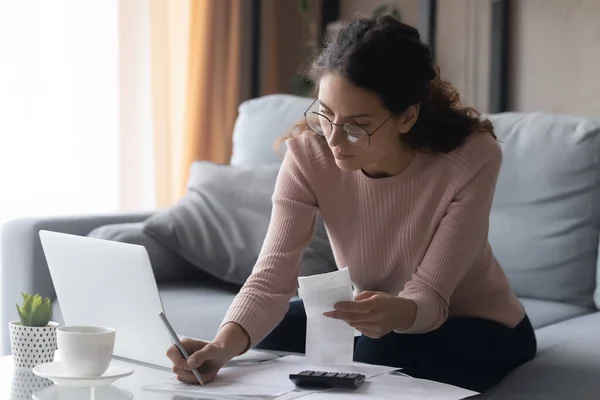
(267, 379)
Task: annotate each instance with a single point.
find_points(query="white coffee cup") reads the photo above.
(85, 351)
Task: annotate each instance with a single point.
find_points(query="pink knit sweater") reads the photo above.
(421, 234)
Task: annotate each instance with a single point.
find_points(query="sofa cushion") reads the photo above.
(167, 265)
(196, 309)
(567, 365)
(221, 223)
(544, 224)
(543, 312)
(259, 125)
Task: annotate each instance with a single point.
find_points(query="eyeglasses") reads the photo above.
(355, 135)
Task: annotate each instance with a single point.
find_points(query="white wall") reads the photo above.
(462, 40)
(555, 51)
(556, 56)
(462, 43)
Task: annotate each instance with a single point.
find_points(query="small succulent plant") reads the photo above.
(35, 311)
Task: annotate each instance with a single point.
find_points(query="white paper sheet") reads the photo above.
(276, 372)
(218, 388)
(328, 341)
(389, 386)
(269, 378)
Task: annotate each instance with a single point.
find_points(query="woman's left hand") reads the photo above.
(375, 314)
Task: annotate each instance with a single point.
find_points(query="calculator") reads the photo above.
(327, 380)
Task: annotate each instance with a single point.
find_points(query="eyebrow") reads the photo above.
(347, 116)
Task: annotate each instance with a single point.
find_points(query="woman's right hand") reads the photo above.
(207, 357)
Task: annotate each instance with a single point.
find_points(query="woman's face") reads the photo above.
(342, 102)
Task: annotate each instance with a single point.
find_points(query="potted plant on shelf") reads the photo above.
(33, 338)
(301, 84)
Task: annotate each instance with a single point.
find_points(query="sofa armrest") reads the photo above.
(23, 266)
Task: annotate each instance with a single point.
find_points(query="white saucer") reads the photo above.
(56, 373)
(80, 393)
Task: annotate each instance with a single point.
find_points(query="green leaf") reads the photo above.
(385, 9)
(37, 301)
(26, 307)
(42, 314)
(22, 317)
(304, 6)
(380, 10)
(48, 303)
(302, 86)
(35, 311)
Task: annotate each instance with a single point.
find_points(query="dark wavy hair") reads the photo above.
(387, 57)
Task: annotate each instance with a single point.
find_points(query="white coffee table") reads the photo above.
(22, 384)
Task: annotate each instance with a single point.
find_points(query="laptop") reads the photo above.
(108, 283)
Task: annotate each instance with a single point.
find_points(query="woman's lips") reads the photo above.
(341, 156)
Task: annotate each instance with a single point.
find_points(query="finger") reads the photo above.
(347, 316)
(209, 377)
(365, 295)
(192, 381)
(192, 345)
(345, 306)
(176, 358)
(363, 325)
(184, 375)
(201, 356)
(364, 305)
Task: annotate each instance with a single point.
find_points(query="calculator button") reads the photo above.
(341, 375)
(352, 376)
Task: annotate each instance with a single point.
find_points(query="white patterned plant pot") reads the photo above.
(32, 345)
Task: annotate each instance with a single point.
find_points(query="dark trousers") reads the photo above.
(471, 353)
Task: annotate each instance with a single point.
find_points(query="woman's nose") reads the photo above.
(337, 135)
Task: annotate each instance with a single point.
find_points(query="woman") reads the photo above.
(403, 177)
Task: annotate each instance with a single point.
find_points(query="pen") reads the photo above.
(177, 342)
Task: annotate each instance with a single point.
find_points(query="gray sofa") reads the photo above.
(545, 231)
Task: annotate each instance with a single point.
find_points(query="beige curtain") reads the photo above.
(285, 43)
(201, 72)
(218, 77)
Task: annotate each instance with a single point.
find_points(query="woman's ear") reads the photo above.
(408, 118)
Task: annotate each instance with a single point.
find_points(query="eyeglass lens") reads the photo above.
(320, 124)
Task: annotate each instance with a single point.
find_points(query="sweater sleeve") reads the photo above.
(454, 247)
(264, 298)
